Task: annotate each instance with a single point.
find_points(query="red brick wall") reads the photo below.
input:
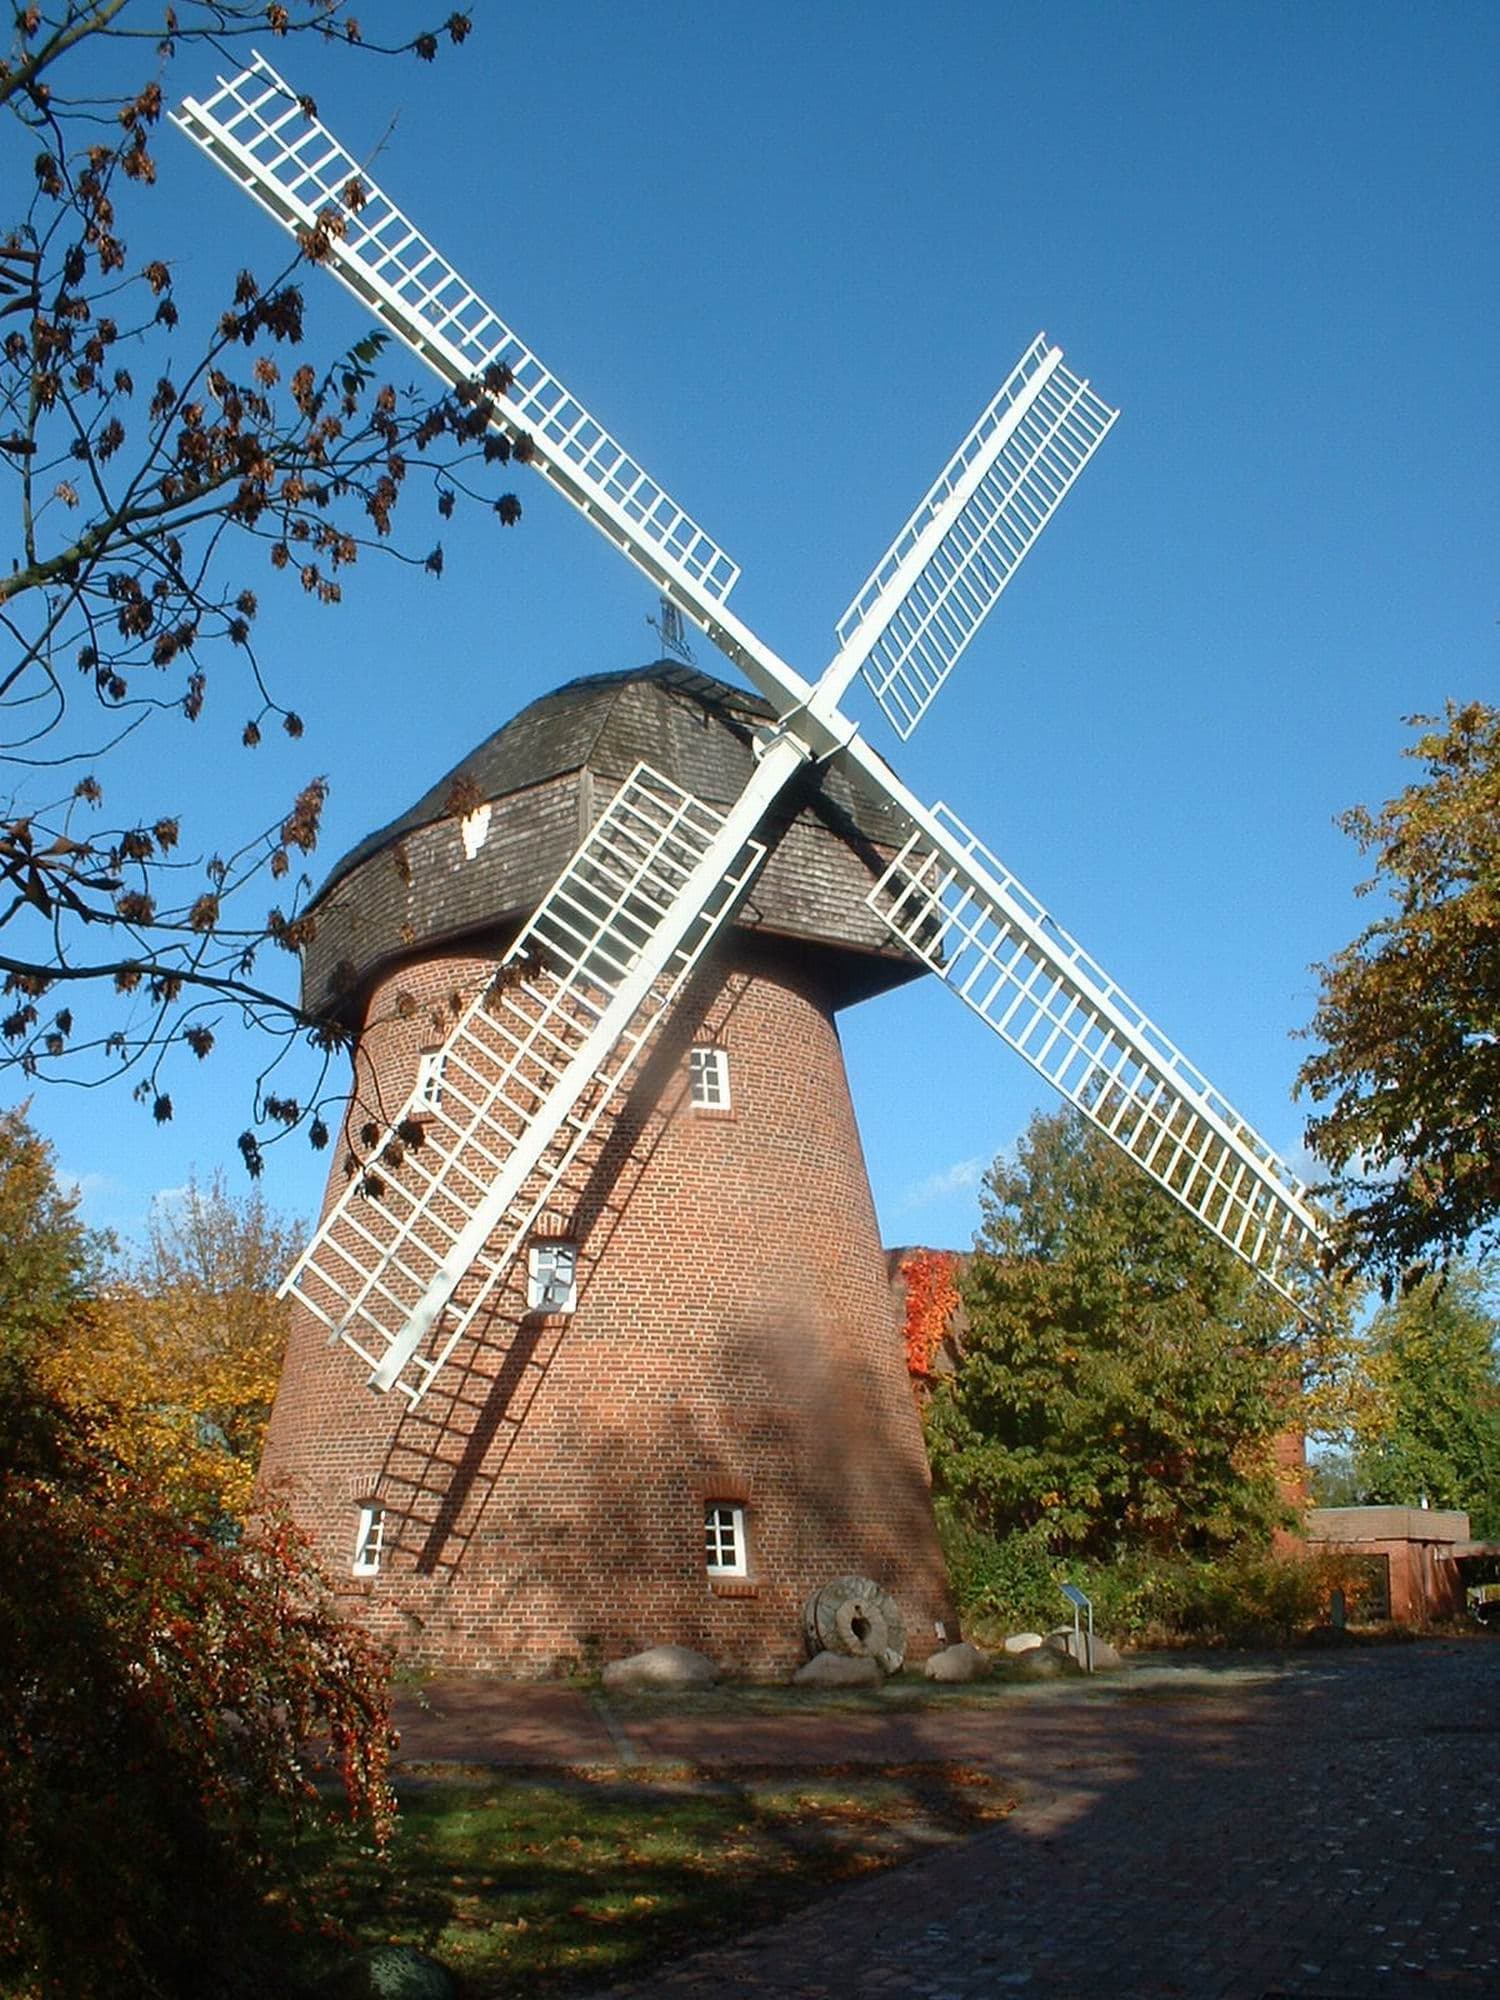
(735, 1339)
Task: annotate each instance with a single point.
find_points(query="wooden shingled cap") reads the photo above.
(471, 859)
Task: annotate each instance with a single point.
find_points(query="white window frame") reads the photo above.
(429, 1079)
(725, 1550)
(708, 1069)
(552, 1276)
(369, 1538)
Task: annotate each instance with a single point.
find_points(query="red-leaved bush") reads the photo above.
(174, 1711)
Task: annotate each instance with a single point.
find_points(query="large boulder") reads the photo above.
(1023, 1642)
(1041, 1663)
(659, 1670)
(962, 1662)
(838, 1670)
(1075, 1646)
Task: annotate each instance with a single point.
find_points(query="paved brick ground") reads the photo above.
(1326, 1831)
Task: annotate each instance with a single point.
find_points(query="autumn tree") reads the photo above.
(164, 1694)
(1407, 1076)
(1123, 1376)
(162, 476)
(177, 1357)
(1427, 1426)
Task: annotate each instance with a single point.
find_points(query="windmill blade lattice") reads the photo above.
(260, 132)
(395, 1270)
(393, 1290)
(926, 598)
(961, 912)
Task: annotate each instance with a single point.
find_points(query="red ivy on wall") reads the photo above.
(931, 1296)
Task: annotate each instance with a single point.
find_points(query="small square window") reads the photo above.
(368, 1538)
(429, 1080)
(552, 1278)
(709, 1072)
(724, 1538)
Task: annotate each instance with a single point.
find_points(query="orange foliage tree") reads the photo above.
(931, 1298)
(175, 1359)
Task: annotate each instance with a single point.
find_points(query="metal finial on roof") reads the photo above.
(670, 629)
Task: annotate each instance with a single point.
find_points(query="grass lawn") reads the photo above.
(529, 1885)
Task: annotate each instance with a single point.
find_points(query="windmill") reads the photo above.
(517, 1099)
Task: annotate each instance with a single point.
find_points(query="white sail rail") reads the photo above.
(967, 917)
(268, 139)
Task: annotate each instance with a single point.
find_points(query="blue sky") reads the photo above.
(787, 253)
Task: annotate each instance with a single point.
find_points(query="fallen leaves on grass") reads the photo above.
(546, 1883)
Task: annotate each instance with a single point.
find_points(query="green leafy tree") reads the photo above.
(1408, 1074)
(1334, 1478)
(1123, 1377)
(164, 1695)
(1428, 1424)
(48, 1261)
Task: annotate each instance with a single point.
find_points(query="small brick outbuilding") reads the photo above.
(1413, 1557)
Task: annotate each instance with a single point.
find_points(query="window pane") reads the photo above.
(724, 1538)
(368, 1536)
(552, 1277)
(708, 1070)
(430, 1079)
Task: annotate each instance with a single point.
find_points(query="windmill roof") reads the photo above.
(417, 885)
(662, 714)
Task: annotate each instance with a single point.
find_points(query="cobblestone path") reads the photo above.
(1330, 1835)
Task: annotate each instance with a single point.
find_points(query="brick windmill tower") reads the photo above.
(604, 1239)
(682, 1408)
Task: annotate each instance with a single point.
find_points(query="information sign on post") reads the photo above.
(1081, 1602)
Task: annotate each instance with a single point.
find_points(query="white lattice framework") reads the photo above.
(257, 128)
(942, 576)
(403, 1289)
(393, 1235)
(965, 915)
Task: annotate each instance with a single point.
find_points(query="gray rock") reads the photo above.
(660, 1668)
(390, 1972)
(1042, 1663)
(838, 1670)
(962, 1662)
(1023, 1642)
(1075, 1645)
(1071, 1645)
(852, 1614)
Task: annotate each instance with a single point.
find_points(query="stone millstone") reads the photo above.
(838, 1670)
(852, 1615)
(661, 1668)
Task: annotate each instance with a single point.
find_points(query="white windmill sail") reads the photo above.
(396, 1298)
(953, 905)
(261, 133)
(911, 620)
(520, 1083)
